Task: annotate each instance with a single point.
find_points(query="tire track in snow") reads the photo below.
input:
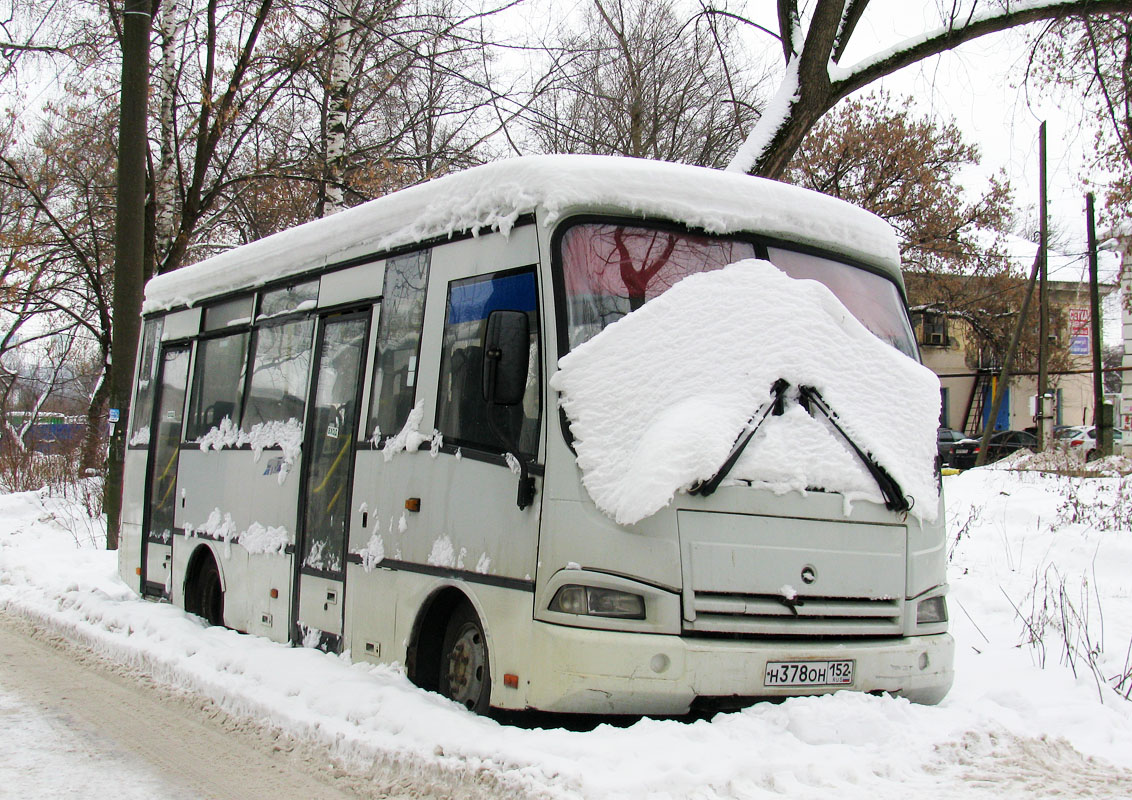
(200, 750)
(193, 748)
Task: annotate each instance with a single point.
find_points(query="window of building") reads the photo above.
(933, 329)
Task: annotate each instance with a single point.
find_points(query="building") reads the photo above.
(968, 370)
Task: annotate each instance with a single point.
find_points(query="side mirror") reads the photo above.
(506, 357)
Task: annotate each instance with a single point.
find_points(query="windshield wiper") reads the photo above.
(775, 406)
(810, 399)
(894, 499)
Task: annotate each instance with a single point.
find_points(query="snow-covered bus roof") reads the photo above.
(495, 195)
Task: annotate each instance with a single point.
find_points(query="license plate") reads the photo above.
(808, 673)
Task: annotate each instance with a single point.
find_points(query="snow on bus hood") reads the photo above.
(657, 400)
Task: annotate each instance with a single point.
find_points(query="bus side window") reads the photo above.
(398, 342)
(142, 408)
(280, 372)
(462, 413)
(218, 383)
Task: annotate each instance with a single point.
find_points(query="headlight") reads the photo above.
(574, 599)
(932, 610)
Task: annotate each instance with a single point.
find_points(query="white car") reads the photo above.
(1082, 439)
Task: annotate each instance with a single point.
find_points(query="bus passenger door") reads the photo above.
(161, 479)
(328, 461)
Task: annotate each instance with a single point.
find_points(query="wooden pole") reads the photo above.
(1102, 424)
(1043, 299)
(129, 246)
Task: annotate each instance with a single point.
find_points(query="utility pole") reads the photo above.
(1004, 376)
(129, 246)
(1102, 414)
(1044, 419)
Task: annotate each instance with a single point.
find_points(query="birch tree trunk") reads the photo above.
(170, 28)
(338, 105)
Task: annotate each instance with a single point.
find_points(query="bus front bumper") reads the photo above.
(576, 670)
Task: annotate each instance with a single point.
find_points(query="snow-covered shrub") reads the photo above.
(1104, 505)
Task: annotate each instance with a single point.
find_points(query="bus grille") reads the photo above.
(805, 616)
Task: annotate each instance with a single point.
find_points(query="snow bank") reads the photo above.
(657, 400)
(493, 196)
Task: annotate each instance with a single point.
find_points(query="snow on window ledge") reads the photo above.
(286, 435)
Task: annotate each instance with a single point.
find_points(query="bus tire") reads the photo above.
(204, 596)
(465, 675)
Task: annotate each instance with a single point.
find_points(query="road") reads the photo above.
(76, 726)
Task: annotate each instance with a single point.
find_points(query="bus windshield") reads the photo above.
(611, 269)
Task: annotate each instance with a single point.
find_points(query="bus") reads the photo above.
(365, 435)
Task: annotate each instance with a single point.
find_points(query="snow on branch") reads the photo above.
(950, 36)
(774, 116)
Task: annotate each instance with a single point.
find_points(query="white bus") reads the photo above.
(320, 453)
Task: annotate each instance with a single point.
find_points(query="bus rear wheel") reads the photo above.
(464, 672)
(204, 596)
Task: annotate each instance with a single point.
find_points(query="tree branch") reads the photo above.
(949, 38)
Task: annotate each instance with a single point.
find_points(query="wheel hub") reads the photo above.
(466, 667)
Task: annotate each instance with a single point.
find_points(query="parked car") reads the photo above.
(946, 438)
(1001, 444)
(1083, 439)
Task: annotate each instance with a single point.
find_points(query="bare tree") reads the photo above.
(233, 84)
(878, 153)
(439, 94)
(379, 96)
(54, 36)
(636, 80)
(62, 181)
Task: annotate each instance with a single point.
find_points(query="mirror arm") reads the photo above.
(526, 492)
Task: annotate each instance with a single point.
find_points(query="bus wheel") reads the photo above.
(464, 673)
(205, 598)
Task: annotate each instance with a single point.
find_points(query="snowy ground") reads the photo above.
(1035, 557)
(45, 756)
